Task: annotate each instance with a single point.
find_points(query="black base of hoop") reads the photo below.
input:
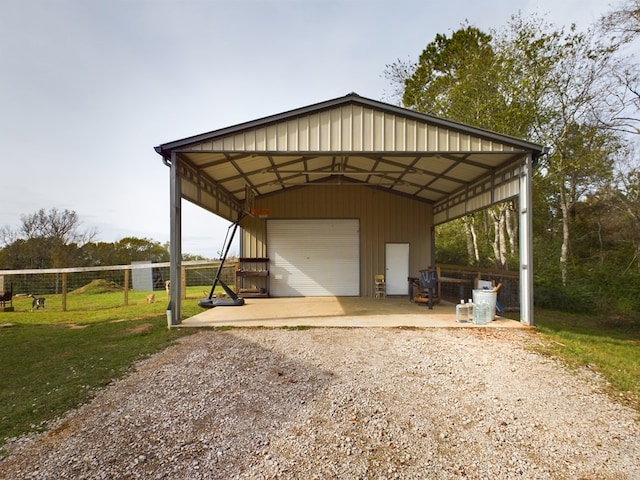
(221, 302)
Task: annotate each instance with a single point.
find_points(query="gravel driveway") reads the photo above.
(342, 404)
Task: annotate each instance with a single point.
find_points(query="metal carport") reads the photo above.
(454, 168)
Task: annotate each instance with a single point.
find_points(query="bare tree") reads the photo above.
(7, 236)
(624, 21)
(63, 226)
(621, 27)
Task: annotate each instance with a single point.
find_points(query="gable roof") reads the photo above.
(349, 139)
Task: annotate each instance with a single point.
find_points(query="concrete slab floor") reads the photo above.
(336, 312)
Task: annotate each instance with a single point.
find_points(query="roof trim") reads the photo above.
(351, 98)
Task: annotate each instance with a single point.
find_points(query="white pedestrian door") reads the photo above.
(397, 268)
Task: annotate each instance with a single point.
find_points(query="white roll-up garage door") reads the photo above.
(314, 258)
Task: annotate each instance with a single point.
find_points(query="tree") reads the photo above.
(125, 251)
(622, 27)
(61, 225)
(464, 78)
(532, 80)
(45, 239)
(623, 198)
(624, 21)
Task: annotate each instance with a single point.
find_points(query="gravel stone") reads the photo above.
(342, 403)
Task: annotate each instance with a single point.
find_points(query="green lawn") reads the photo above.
(53, 361)
(609, 346)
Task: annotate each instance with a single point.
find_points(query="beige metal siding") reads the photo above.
(352, 128)
(384, 218)
(502, 186)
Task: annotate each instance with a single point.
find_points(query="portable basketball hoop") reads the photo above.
(261, 213)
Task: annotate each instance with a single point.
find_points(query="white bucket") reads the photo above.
(487, 296)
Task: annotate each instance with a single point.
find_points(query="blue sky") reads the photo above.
(88, 88)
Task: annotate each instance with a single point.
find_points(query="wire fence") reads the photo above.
(133, 283)
(127, 283)
(508, 294)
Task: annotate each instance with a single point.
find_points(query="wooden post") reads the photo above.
(64, 291)
(126, 286)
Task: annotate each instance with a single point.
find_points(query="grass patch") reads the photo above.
(609, 346)
(54, 361)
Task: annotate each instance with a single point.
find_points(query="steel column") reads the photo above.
(526, 242)
(175, 242)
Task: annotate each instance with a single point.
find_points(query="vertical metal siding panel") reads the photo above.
(411, 142)
(373, 261)
(476, 144)
(454, 138)
(346, 128)
(378, 131)
(422, 139)
(357, 129)
(325, 131)
(303, 134)
(365, 263)
(250, 140)
(335, 130)
(261, 139)
(282, 136)
(314, 133)
(368, 130)
(238, 142)
(293, 135)
(432, 136)
(443, 139)
(389, 132)
(400, 135)
(272, 135)
(465, 142)
(227, 143)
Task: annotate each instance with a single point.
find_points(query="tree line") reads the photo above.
(55, 239)
(575, 91)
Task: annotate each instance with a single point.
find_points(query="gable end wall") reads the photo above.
(384, 218)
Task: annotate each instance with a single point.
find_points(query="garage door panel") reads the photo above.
(314, 257)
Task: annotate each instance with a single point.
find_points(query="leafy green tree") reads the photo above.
(464, 78)
(530, 80)
(125, 251)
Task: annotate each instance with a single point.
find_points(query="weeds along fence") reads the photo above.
(126, 283)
